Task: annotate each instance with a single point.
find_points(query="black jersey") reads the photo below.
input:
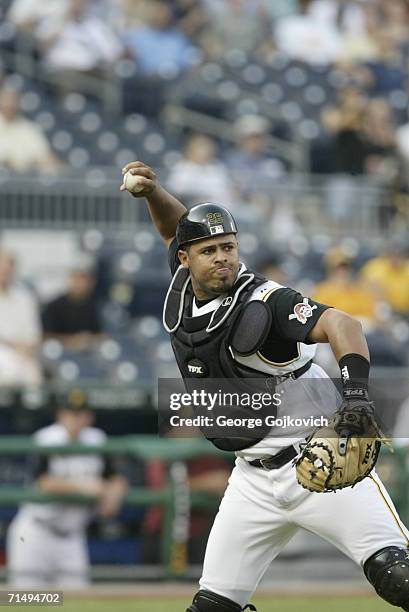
(294, 315)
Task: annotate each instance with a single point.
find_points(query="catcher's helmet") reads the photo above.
(204, 221)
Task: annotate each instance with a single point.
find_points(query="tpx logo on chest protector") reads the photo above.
(302, 311)
(197, 368)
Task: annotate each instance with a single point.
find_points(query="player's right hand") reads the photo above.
(147, 178)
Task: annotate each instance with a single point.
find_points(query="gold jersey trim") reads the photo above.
(281, 364)
(395, 517)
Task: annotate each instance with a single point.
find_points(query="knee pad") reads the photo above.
(388, 572)
(207, 601)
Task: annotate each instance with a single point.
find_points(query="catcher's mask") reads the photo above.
(204, 221)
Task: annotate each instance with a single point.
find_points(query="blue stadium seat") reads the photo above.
(46, 120)
(211, 72)
(254, 74)
(90, 122)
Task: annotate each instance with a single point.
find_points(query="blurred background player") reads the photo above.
(46, 543)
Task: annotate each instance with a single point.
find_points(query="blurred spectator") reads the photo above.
(280, 8)
(378, 131)
(200, 175)
(191, 17)
(19, 329)
(23, 146)
(110, 11)
(46, 543)
(343, 123)
(158, 47)
(362, 136)
(236, 24)
(344, 290)
(252, 165)
(133, 13)
(361, 45)
(307, 37)
(206, 475)
(389, 274)
(396, 19)
(345, 15)
(78, 43)
(27, 15)
(341, 289)
(386, 70)
(73, 318)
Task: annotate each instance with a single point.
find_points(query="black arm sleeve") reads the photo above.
(294, 315)
(173, 259)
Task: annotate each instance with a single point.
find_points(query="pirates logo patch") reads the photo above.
(302, 311)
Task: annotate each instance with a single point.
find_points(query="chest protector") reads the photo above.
(202, 344)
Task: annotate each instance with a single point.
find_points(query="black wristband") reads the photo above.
(354, 374)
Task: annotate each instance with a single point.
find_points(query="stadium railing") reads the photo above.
(331, 204)
(175, 497)
(294, 152)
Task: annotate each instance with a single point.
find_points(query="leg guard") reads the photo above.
(207, 601)
(388, 572)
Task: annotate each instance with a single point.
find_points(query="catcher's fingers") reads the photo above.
(147, 186)
(146, 179)
(143, 171)
(136, 165)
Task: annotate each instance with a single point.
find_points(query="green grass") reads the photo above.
(279, 604)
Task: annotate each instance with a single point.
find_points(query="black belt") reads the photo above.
(295, 374)
(273, 462)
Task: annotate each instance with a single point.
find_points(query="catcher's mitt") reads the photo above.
(343, 452)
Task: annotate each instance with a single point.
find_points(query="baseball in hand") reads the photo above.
(132, 182)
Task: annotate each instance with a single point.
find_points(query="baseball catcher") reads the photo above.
(227, 322)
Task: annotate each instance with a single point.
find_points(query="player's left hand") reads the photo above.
(354, 415)
(343, 452)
